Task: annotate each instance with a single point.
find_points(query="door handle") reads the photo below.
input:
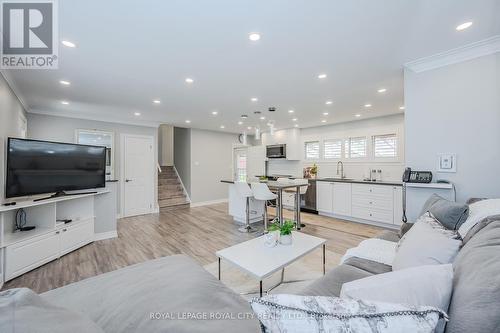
(128, 180)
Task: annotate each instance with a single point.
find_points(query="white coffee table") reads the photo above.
(260, 261)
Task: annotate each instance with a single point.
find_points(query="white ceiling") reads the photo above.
(131, 52)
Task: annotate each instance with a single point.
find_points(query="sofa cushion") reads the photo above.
(24, 311)
(425, 245)
(450, 214)
(418, 286)
(475, 302)
(136, 298)
(331, 283)
(368, 265)
(390, 236)
(479, 210)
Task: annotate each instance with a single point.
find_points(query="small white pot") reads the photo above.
(286, 239)
(271, 238)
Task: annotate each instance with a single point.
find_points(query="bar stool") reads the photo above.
(302, 190)
(261, 192)
(244, 191)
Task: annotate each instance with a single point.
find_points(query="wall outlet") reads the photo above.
(447, 163)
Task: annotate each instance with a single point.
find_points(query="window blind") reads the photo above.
(385, 145)
(312, 150)
(355, 147)
(332, 149)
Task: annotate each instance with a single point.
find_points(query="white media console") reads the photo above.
(22, 251)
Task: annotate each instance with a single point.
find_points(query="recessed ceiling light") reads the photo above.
(294, 119)
(402, 107)
(240, 123)
(188, 121)
(222, 126)
(137, 114)
(463, 26)
(325, 113)
(296, 125)
(244, 116)
(189, 80)
(254, 99)
(323, 121)
(357, 115)
(65, 102)
(291, 111)
(382, 90)
(68, 43)
(215, 113)
(328, 102)
(156, 101)
(249, 127)
(65, 83)
(262, 118)
(322, 76)
(254, 36)
(368, 105)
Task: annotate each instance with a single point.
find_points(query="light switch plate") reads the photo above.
(447, 163)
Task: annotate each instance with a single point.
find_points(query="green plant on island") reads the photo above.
(273, 227)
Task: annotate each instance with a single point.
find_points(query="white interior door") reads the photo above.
(138, 171)
(240, 164)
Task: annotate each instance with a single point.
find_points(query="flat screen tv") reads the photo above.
(37, 167)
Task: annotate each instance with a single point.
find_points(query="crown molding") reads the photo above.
(138, 122)
(467, 52)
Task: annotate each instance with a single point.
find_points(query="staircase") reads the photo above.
(170, 191)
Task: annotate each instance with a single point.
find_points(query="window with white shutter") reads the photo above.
(332, 149)
(385, 145)
(312, 150)
(355, 147)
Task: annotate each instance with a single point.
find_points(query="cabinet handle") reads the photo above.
(57, 232)
(371, 214)
(370, 190)
(65, 229)
(371, 202)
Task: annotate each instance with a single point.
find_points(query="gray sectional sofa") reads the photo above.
(475, 301)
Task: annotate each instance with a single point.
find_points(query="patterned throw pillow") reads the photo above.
(432, 222)
(293, 313)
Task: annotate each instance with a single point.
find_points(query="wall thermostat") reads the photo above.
(447, 163)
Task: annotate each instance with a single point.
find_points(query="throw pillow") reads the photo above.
(478, 211)
(433, 223)
(294, 314)
(425, 245)
(24, 311)
(429, 285)
(450, 214)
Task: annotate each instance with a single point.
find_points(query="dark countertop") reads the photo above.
(359, 181)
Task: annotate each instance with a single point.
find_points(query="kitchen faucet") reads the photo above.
(339, 163)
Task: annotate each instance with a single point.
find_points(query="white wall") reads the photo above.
(166, 145)
(63, 129)
(456, 109)
(182, 156)
(357, 168)
(11, 110)
(211, 161)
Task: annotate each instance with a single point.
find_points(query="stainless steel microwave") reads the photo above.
(276, 151)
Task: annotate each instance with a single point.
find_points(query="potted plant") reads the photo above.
(286, 232)
(314, 170)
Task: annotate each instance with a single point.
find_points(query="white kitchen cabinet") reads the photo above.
(324, 197)
(342, 198)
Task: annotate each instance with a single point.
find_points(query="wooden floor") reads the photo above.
(197, 232)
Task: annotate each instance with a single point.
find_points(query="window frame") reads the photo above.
(396, 148)
(318, 142)
(347, 148)
(324, 141)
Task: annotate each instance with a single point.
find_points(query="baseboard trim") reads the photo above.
(105, 235)
(206, 203)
